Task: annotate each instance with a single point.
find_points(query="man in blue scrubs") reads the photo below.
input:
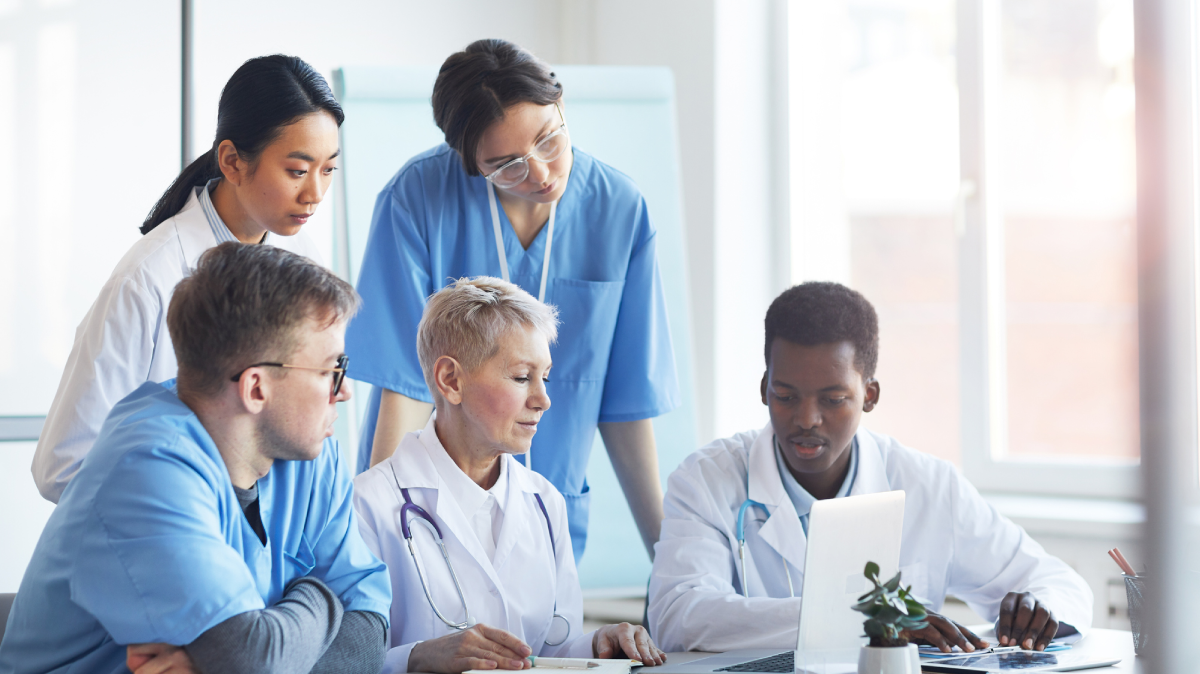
(211, 527)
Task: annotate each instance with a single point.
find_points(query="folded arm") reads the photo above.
(306, 631)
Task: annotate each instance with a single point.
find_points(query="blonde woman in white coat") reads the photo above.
(507, 587)
(273, 158)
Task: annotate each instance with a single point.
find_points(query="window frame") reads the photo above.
(981, 247)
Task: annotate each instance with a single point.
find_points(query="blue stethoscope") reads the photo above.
(560, 628)
(741, 539)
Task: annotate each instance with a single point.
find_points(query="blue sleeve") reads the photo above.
(641, 381)
(343, 561)
(394, 283)
(158, 568)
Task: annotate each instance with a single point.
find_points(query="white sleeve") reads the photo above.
(113, 350)
(993, 556)
(395, 661)
(693, 602)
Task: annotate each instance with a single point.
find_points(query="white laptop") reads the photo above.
(843, 535)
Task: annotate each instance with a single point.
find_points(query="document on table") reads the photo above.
(614, 666)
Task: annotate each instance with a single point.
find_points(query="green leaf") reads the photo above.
(871, 570)
(894, 583)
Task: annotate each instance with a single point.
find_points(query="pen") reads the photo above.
(562, 663)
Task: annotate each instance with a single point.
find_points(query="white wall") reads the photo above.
(727, 60)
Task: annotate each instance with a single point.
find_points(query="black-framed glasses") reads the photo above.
(339, 372)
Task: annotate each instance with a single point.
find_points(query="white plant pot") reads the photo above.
(889, 660)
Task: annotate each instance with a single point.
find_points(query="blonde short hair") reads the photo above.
(466, 319)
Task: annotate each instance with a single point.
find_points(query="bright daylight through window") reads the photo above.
(1060, 111)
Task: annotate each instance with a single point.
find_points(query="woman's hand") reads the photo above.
(157, 659)
(625, 640)
(480, 647)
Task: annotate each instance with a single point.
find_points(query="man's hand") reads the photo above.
(1025, 622)
(480, 647)
(946, 634)
(614, 641)
(157, 659)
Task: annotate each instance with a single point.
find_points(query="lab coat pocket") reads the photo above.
(587, 314)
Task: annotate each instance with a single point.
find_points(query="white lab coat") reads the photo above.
(123, 340)
(515, 592)
(953, 542)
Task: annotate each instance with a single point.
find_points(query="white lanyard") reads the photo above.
(500, 242)
(504, 262)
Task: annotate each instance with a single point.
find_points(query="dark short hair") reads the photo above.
(476, 85)
(242, 305)
(819, 312)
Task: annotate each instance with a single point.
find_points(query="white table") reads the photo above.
(1101, 643)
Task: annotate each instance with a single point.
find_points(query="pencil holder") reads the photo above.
(1135, 593)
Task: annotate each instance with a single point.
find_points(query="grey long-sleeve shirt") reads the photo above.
(306, 631)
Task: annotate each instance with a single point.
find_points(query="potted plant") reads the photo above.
(890, 610)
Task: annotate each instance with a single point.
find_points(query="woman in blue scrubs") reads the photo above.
(506, 195)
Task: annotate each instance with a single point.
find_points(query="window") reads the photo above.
(873, 203)
(89, 139)
(979, 190)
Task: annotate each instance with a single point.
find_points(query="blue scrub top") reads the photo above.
(149, 544)
(613, 360)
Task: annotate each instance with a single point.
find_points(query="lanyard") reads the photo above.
(504, 263)
(500, 243)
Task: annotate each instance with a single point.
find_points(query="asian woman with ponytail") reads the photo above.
(272, 160)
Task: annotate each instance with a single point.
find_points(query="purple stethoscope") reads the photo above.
(559, 624)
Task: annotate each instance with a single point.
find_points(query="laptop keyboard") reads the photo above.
(783, 662)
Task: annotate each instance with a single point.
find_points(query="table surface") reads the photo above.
(1101, 643)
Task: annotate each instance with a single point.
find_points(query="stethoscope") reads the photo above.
(558, 624)
(491, 190)
(741, 539)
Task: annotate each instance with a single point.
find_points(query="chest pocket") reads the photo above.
(587, 314)
(302, 560)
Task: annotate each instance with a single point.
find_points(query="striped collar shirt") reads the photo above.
(219, 229)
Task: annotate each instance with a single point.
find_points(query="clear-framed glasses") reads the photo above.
(547, 150)
(339, 372)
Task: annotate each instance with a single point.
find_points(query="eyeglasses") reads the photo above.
(339, 372)
(547, 150)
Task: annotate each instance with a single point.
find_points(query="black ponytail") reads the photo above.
(264, 95)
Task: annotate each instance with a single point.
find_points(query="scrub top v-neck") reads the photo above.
(613, 361)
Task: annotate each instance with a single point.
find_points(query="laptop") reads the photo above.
(843, 535)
